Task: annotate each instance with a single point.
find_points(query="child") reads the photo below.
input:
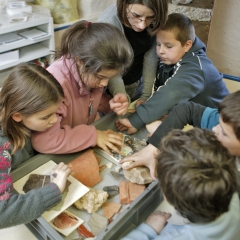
(227, 131)
(184, 73)
(198, 177)
(139, 20)
(90, 54)
(29, 99)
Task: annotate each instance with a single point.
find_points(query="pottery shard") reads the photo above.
(92, 200)
(110, 208)
(85, 169)
(97, 223)
(139, 175)
(130, 191)
(65, 220)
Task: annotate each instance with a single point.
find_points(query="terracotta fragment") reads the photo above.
(101, 168)
(97, 223)
(110, 208)
(83, 231)
(65, 220)
(85, 168)
(129, 191)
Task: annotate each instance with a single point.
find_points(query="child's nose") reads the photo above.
(142, 25)
(53, 119)
(215, 129)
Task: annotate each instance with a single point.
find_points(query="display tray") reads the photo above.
(131, 215)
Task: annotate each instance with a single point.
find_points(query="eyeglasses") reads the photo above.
(138, 19)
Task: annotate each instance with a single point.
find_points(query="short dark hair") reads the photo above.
(197, 174)
(181, 26)
(229, 110)
(159, 7)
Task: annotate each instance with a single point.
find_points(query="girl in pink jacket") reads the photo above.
(90, 54)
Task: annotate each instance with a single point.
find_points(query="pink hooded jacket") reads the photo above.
(72, 133)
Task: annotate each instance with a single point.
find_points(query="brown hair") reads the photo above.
(229, 110)
(197, 174)
(181, 26)
(97, 45)
(159, 7)
(28, 89)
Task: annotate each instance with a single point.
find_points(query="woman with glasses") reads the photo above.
(139, 20)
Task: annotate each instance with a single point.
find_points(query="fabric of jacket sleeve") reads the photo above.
(181, 115)
(181, 87)
(64, 139)
(23, 208)
(143, 232)
(150, 64)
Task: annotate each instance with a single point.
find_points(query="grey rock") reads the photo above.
(118, 176)
(111, 190)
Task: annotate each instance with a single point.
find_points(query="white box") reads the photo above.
(9, 56)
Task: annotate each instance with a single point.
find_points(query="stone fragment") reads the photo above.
(97, 223)
(176, 2)
(129, 191)
(139, 175)
(109, 165)
(110, 208)
(111, 190)
(92, 200)
(118, 176)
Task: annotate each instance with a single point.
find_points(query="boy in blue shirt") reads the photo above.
(184, 74)
(198, 177)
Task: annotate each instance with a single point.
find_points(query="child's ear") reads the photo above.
(188, 45)
(17, 117)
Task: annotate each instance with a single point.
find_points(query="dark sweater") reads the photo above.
(193, 78)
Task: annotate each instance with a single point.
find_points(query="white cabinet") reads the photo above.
(28, 49)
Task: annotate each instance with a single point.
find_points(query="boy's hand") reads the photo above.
(152, 127)
(124, 125)
(59, 175)
(109, 140)
(119, 104)
(145, 157)
(157, 220)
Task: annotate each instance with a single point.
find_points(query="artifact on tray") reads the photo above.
(111, 190)
(118, 176)
(110, 208)
(65, 220)
(97, 223)
(130, 146)
(129, 191)
(83, 231)
(85, 168)
(139, 175)
(36, 181)
(92, 200)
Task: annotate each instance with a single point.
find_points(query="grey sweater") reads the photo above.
(21, 208)
(116, 84)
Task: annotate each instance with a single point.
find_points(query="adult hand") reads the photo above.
(59, 175)
(124, 125)
(109, 140)
(140, 101)
(157, 220)
(119, 104)
(145, 157)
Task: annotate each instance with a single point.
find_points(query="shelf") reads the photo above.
(22, 43)
(27, 54)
